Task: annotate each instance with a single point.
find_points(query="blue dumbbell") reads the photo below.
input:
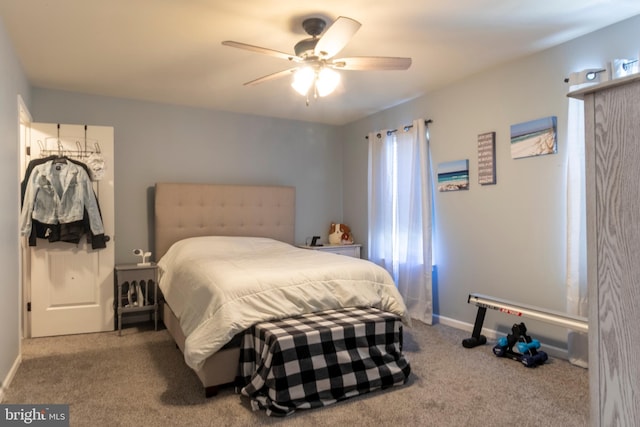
(532, 361)
(500, 351)
(526, 347)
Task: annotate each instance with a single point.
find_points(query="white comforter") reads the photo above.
(219, 286)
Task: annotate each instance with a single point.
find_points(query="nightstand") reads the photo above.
(130, 276)
(352, 250)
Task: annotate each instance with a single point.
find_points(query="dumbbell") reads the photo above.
(531, 361)
(500, 351)
(526, 347)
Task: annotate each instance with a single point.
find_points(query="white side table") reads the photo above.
(146, 276)
(352, 250)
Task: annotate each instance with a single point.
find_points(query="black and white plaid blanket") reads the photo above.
(320, 358)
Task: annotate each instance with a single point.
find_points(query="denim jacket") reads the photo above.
(59, 193)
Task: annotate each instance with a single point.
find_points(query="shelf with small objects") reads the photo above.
(136, 293)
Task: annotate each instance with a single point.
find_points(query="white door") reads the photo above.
(71, 285)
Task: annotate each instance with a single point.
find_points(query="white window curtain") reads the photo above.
(576, 282)
(400, 211)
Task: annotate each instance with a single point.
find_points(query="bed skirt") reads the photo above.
(318, 359)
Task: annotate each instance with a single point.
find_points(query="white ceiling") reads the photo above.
(170, 51)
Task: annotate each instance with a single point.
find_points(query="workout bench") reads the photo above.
(483, 302)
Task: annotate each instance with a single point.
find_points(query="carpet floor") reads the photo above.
(140, 379)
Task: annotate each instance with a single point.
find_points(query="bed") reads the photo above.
(195, 222)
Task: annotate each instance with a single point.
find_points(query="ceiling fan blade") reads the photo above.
(272, 76)
(262, 50)
(371, 63)
(336, 37)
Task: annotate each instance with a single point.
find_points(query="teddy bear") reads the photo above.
(340, 234)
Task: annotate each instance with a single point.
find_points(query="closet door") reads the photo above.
(71, 285)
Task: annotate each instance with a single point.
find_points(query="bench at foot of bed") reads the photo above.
(318, 359)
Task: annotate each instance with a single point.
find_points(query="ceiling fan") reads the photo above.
(314, 56)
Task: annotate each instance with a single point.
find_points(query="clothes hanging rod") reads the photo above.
(406, 128)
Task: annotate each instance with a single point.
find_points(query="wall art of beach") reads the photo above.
(534, 138)
(453, 176)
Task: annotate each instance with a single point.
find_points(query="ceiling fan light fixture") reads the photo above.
(303, 80)
(327, 81)
(324, 81)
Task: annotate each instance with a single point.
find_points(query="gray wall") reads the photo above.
(162, 143)
(506, 240)
(12, 83)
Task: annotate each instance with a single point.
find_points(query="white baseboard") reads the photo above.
(9, 377)
(492, 335)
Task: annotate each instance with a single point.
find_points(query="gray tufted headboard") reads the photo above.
(188, 210)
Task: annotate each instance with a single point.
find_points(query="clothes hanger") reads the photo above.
(60, 159)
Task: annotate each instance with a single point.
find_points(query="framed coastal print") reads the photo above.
(534, 138)
(453, 176)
